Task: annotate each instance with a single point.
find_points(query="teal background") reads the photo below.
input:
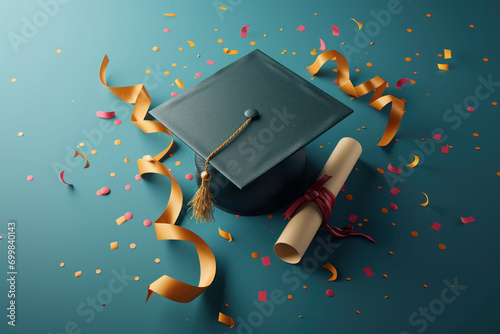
(56, 96)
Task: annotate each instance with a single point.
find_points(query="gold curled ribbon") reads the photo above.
(376, 84)
(165, 227)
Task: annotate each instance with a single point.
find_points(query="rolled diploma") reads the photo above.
(305, 223)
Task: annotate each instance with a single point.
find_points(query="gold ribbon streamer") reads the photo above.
(377, 85)
(165, 227)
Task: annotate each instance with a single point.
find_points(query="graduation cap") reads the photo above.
(248, 124)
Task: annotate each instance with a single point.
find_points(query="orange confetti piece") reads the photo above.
(360, 25)
(114, 245)
(427, 200)
(225, 235)
(444, 67)
(230, 52)
(332, 269)
(191, 43)
(121, 220)
(415, 162)
(179, 83)
(222, 8)
(447, 54)
(77, 153)
(78, 273)
(170, 14)
(226, 320)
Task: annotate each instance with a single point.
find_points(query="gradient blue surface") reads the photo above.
(56, 95)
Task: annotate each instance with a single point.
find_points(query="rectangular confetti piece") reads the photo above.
(262, 296)
(266, 261)
(368, 272)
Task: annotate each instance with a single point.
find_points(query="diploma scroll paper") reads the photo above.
(298, 234)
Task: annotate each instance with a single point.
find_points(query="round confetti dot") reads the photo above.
(384, 210)
(440, 55)
(112, 174)
(478, 148)
(13, 80)
(417, 54)
(391, 252)
(348, 279)
(290, 297)
(166, 30)
(118, 142)
(128, 215)
(304, 287)
(475, 134)
(348, 197)
(93, 151)
(409, 30)
(133, 246)
(20, 134)
(138, 177)
(330, 293)
(408, 59)
(357, 311)
(82, 144)
(157, 260)
(98, 271)
(155, 48)
(126, 160)
(472, 26)
(255, 255)
(198, 75)
(485, 59)
(498, 173)
(105, 190)
(180, 49)
(148, 71)
(470, 109)
(174, 94)
(189, 176)
(118, 122)
(369, 64)
(380, 170)
(147, 222)
(429, 15)
(29, 178)
(424, 285)
(99, 192)
(177, 163)
(442, 246)
(128, 187)
(393, 206)
(494, 103)
(166, 72)
(174, 64)
(137, 278)
(384, 275)
(414, 234)
(220, 40)
(61, 264)
(252, 43)
(270, 216)
(58, 50)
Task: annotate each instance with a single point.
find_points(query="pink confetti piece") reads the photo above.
(322, 46)
(61, 176)
(138, 177)
(105, 114)
(128, 215)
(470, 109)
(352, 218)
(198, 75)
(467, 220)
(436, 226)
(301, 28)
(29, 178)
(368, 271)
(166, 30)
(147, 222)
(437, 136)
(394, 169)
(393, 206)
(335, 80)
(128, 187)
(174, 94)
(210, 62)
(401, 82)
(244, 31)
(394, 191)
(105, 190)
(189, 176)
(118, 122)
(99, 192)
(330, 293)
(445, 149)
(335, 30)
(262, 296)
(266, 261)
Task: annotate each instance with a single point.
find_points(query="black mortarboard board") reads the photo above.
(264, 165)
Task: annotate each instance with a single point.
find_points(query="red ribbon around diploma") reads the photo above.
(325, 200)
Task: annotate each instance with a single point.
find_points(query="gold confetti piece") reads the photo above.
(20, 134)
(230, 52)
(13, 80)
(61, 264)
(78, 273)
(170, 14)
(222, 8)
(427, 200)
(225, 235)
(360, 25)
(112, 174)
(155, 48)
(121, 220)
(191, 44)
(332, 269)
(447, 54)
(157, 260)
(415, 162)
(133, 246)
(137, 278)
(179, 83)
(58, 50)
(118, 142)
(226, 320)
(77, 153)
(444, 67)
(98, 271)
(114, 245)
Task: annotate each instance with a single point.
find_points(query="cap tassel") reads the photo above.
(202, 201)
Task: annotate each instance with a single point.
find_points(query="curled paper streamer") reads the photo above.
(226, 320)
(360, 25)
(244, 31)
(322, 46)
(165, 227)
(230, 52)
(179, 83)
(332, 269)
(225, 235)
(106, 114)
(394, 169)
(61, 176)
(401, 82)
(377, 85)
(415, 162)
(335, 30)
(426, 200)
(87, 163)
(191, 43)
